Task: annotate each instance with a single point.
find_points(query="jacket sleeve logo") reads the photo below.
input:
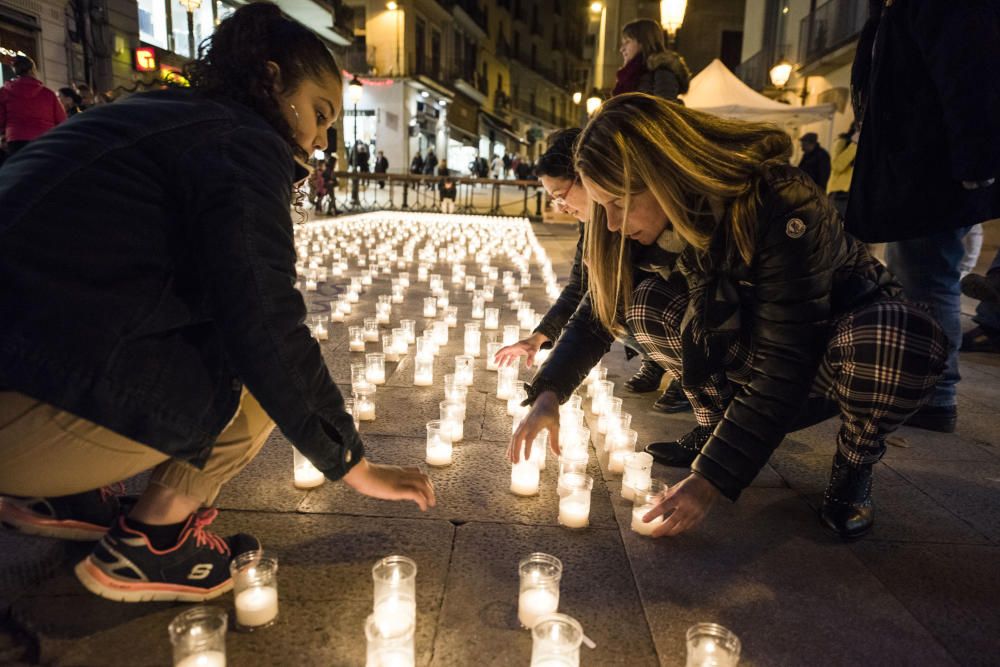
(795, 228)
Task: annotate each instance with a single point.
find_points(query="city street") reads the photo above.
(922, 588)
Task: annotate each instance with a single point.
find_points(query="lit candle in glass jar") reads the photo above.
(371, 330)
(491, 355)
(375, 368)
(478, 307)
(491, 319)
(423, 371)
(440, 332)
(472, 339)
(452, 420)
(506, 382)
(410, 327)
(524, 478)
(574, 505)
(637, 474)
(539, 576)
(356, 339)
(439, 448)
(643, 503)
(305, 474)
(464, 369)
(364, 405)
(430, 307)
(510, 334)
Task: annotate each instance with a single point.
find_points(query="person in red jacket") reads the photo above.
(27, 108)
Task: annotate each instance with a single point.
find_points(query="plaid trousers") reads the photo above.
(881, 363)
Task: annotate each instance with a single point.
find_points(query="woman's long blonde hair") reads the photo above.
(637, 142)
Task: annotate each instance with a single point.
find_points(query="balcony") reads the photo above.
(355, 60)
(827, 36)
(753, 70)
(469, 12)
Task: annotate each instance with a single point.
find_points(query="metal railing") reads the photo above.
(829, 27)
(753, 70)
(355, 192)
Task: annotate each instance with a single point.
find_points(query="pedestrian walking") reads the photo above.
(417, 164)
(752, 295)
(430, 166)
(496, 167)
(447, 188)
(381, 167)
(927, 96)
(648, 66)
(27, 108)
(154, 234)
(815, 160)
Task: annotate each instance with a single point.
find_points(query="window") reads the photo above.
(154, 28)
(153, 23)
(204, 25)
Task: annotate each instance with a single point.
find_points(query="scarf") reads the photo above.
(628, 76)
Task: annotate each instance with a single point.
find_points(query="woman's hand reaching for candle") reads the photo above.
(392, 483)
(527, 348)
(544, 414)
(684, 505)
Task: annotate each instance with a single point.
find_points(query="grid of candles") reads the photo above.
(359, 250)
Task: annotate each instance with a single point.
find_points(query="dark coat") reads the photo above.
(929, 98)
(666, 76)
(569, 299)
(147, 264)
(816, 163)
(806, 271)
(381, 165)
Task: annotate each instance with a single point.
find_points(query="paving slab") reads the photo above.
(475, 487)
(951, 589)
(325, 589)
(764, 568)
(402, 411)
(265, 484)
(478, 624)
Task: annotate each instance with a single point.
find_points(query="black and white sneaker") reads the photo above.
(84, 517)
(125, 567)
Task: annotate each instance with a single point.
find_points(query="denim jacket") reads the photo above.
(147, 273)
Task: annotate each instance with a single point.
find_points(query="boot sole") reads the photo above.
(24, 521)
(846, 537)
(99, 583)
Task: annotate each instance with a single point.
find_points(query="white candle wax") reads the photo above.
(321, 332)
(395, 613)
(382, 317)
(357, 346)
(256, 606)
(366, 410)
(640, 526)
(310, 285)
(423, 377)
(204, 659)
(375, 375)
(616, 461)
(371, 336)
(524, 478)
(439, 453)
(337, 316)
(533, 603)
(574, 513)
(307, 476)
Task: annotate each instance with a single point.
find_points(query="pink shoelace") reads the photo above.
(204, 537)
(112, 491)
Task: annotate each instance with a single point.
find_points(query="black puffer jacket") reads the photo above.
(806, 272)
(569, 299)
(666, 76)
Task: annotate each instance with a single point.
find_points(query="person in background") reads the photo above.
(842, 168)
(496, 167)
(926, 93)
(417, 164)
(506, 165)
(447, 188)
(188, 342)
(648, 65)
(381, 166)
(985, 336)
(330, 183)
(815, 160)
(86, 96)
(70, 100)
(317, 185)
(27, 108)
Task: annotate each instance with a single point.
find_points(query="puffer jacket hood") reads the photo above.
(674, 62)
(28, 109)
(24, 88)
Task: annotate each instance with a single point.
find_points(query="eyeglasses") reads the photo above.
(560, 201)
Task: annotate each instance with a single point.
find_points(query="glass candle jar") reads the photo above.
(436, 282)
(637, 474)
(514, 407)
(510, 334)
(430, 307)
(198, 637)
(464, 369)
(410, 327)
(375, 368)
(642, 503)
(596, 374)
(574, 501)
(539, 449)
(394, 579)
(491, 355)
(574, 439)
(359, 378)
(356, 339)
(426, 347)
(304, 474)
(441, 332)
(423, 371)
(255, 589)
(422, 273)
(491, 319)
(539, 576)
(470, 283)
(524, 478)
(452, 420)
(364, 405)
(443, 300)
(612, 407)
(619, 446)
(453, 391)
(604, 391)
(506, 382)
(478, 307)
(389, 348)
(711, 645)
(618, 424)
(349, 409)
(371, 330)
(472, 339)
(400, 342)
(439, 449)
(571, 461)
(555, 641)
(451, 316)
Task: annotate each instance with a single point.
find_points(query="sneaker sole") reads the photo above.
(99, 583)
(25, 521)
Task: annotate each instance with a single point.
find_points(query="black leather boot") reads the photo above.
(847, 504)
(672, 400)
(646, 379)
(681, 452)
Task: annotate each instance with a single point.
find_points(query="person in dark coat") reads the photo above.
(648, 65)
(188, 335)
(927, 95)
(381, 166)
(815, 160)
(417, 164)
(71, 101)
(430, 166)
(735, 274)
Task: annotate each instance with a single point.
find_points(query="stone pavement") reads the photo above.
(923, 588)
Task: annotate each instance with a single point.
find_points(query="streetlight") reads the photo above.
(191, 6)
(593, 102)
(672, 16)
(780, 73)
(393, 7)
(354, 95)
(577, 96)
(596, 7)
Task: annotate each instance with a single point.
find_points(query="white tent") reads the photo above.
(718, 91)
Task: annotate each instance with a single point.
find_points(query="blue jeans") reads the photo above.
(928, 268)
(988, 314)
